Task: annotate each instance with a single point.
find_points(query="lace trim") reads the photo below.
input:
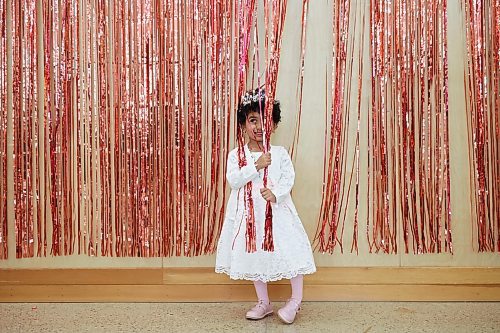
(265, 277)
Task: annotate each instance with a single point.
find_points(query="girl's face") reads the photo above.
(253, 127)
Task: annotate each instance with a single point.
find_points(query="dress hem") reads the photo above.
(264, 277)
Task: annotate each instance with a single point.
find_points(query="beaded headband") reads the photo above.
(253, 96)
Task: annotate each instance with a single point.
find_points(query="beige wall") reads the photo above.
(307, 191)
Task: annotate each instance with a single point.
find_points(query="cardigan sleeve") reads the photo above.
(238, 177)
(287, 179)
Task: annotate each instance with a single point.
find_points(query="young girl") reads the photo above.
(292, 255)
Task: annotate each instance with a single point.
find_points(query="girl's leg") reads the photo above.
(297, 287)
(261, 291)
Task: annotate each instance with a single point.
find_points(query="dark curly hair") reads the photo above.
(245, 109)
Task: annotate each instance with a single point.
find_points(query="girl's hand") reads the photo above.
(268, 195)
(263, 161)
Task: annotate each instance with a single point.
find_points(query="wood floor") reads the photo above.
(203, 285)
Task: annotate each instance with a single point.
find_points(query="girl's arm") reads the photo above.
(238, 177)
(287, 179)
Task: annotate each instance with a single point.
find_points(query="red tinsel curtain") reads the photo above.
(119, 115)
(406, 177)
(482, 99)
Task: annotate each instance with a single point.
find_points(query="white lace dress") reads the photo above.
(292, 253)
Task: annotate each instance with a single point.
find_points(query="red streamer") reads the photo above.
(482, 85)
(300, 79)
(3, 132)
(246, 14)
(276, 11)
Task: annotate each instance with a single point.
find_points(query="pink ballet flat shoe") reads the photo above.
(259, 311)
(289, 311)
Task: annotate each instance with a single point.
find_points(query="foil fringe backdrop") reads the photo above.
(3, 131)
(482, 100)
(94, 217)
(408, 143)
(183, 79)
(108, 109)
(25, 122)
(328, 234)
(112, 162)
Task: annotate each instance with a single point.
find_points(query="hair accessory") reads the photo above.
(253, 96)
